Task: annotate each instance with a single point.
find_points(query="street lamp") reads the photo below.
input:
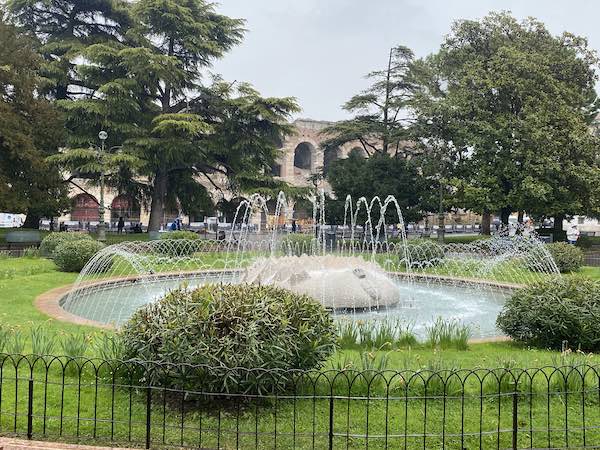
(103, 135)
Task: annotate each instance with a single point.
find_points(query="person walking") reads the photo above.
(293, 226)
(120, 225)
(573, 235)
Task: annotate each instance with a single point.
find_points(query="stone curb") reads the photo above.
(49, 304)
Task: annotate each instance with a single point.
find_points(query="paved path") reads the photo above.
(18, 444)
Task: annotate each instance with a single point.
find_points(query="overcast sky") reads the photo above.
(319, 50)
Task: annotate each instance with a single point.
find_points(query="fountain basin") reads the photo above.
(112, 301)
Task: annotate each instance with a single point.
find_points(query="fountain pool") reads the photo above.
(420, 304)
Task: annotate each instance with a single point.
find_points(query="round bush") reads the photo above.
(556, 310)
(180, 234)
(568, 258)
(239, 331)
(424, 253)
(52, 240)
(72, 256)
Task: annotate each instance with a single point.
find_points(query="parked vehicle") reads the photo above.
(11, 220)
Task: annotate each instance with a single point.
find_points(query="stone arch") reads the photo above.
(125, 206)
(304, 156)
(330, 154)
(85, 208)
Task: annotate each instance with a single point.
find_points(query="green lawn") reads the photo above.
(413, 408)
(21, 281)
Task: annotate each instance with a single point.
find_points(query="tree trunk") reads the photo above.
(486, 221)
(32, 220)
(558, 222)
(157, 207)
(558, 232)
(386, 106)
(505, 215)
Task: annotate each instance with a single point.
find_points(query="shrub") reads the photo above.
(568, 258)
(424, 253)
(72, 256)
(179, 235)
(552, 311)
(50, 242)
(296, 244)
(587, 242)
(235, 332)
(178, 243)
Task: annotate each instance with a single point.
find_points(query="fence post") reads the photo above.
(331, 421)
(148, 415)
(30, 409)
(515, 421)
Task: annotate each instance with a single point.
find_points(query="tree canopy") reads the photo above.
(380, 175)
(30, 130)
(139, 73)
(514, 103)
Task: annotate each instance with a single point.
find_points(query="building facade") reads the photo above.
(302, 155)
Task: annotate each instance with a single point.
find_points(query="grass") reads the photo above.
(121, 413)
(461, 239)
(587, 272)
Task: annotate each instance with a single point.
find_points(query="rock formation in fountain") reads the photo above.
(338, 282)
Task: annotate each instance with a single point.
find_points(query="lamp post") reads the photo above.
(103, 135)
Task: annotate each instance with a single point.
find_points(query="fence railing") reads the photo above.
(156, 406)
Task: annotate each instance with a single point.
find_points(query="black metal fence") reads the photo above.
(109, 402)
(592, 259)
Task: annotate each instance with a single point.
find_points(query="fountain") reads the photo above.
(369, 271)
(347, 283)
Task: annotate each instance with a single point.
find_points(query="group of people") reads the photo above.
(135, 228)
(526, 230)
(176, 225)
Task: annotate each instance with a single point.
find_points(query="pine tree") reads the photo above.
(147, 92)
(379, 121)
(63, 30)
